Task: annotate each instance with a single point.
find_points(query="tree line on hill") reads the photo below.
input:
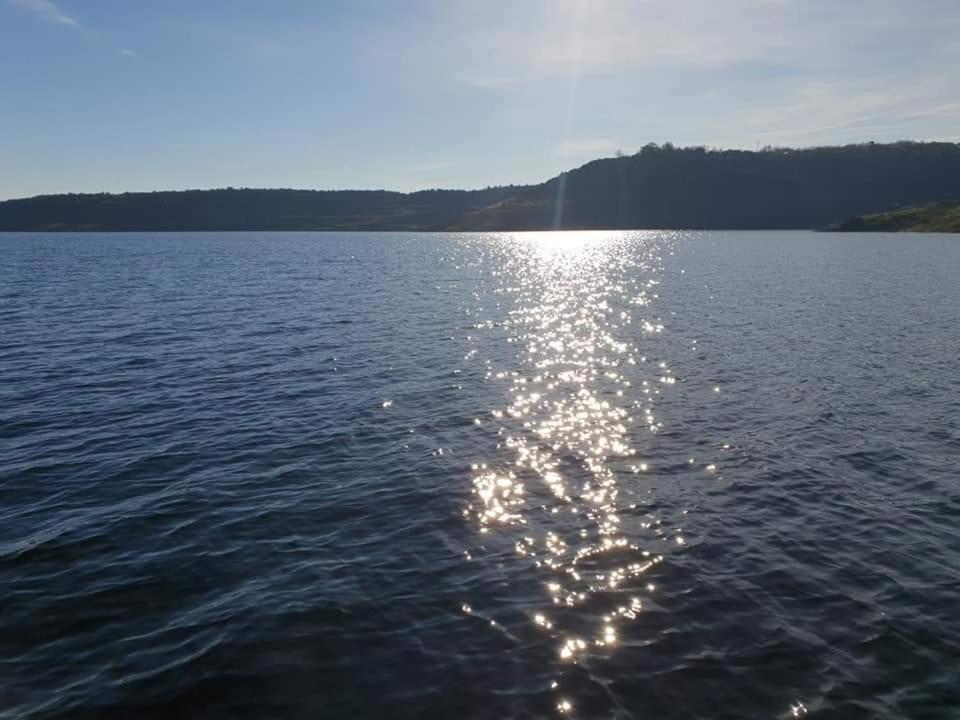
(660, 186)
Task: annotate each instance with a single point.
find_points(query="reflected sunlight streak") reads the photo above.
(574, 409)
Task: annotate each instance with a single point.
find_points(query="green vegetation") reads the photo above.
(657, 187)
(935, 217)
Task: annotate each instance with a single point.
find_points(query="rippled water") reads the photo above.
(631, 475)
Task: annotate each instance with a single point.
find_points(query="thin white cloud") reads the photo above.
(728, 73)
(496, 45)
(51, 12)
(542, 39)
(839, 110)
(47, 10)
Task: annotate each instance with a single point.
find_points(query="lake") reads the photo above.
(583, 474)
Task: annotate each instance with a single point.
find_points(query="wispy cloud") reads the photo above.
(543, 39)
(51, 12)
(730, 73)
(47, 10)
(812, 111)
(547, 39)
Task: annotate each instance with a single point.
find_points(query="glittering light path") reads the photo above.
(567, 471)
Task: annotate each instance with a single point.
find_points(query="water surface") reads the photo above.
(647, 474)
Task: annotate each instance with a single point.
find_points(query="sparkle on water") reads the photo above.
(565, 429)
(466, 475)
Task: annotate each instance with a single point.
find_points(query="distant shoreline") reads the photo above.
(825, 230)
(941, 217)
(659, 187)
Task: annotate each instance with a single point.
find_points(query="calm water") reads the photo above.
(631, 475)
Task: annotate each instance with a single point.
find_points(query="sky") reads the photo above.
(126, 95)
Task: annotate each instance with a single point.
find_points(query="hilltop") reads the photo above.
(657, 187)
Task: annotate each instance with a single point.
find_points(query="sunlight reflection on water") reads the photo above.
(581, 390)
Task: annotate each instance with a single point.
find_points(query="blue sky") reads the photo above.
(133, 95)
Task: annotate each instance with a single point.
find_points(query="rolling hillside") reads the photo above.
(658, 187)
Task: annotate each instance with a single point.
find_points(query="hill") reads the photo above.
(247, 209)
(658, 187)
(935, 217)
(667, 187)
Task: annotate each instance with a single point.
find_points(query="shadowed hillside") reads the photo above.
(247, 209)
(658, 187)
(666, 187)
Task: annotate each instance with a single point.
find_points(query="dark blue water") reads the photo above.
(631, 475)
